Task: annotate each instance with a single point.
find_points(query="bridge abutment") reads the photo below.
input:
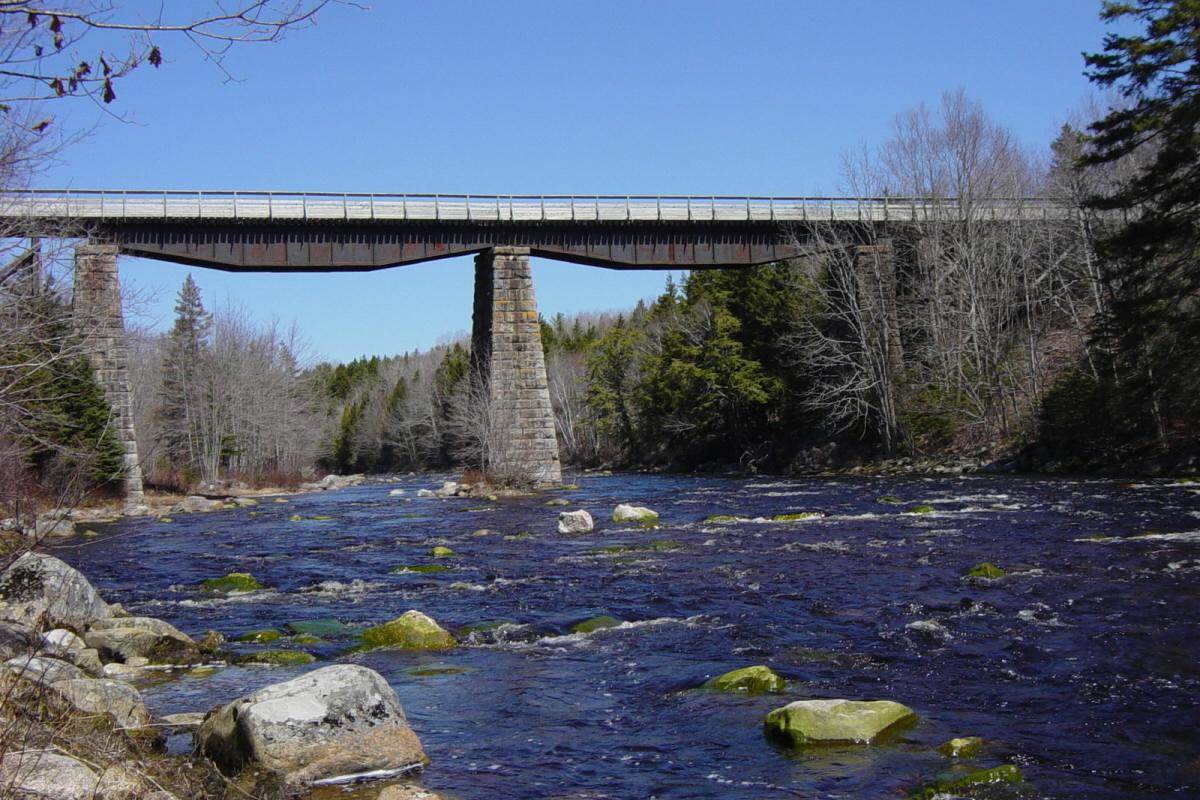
(876, 268)
(508, 364)
(99, 322)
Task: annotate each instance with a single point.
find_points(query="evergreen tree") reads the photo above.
(1152, 263)
(182, 385)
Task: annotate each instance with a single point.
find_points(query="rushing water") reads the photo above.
(1082, 665)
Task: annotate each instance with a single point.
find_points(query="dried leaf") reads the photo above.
(109, 95)
(155, 56)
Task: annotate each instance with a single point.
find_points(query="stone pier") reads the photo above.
(507, 361)
(97, 310)
(876, 268)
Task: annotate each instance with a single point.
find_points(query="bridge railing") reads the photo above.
(84, 205)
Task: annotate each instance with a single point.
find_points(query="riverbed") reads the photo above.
(1080, 665)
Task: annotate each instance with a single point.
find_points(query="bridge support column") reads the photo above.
(507, 362)
(876, 268)
(97, 311)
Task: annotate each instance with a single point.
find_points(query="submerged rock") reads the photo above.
(335, 721)
(929, 629)
(595, 624)
(441, 552)
(411, 630)
(751, 680)
(638, 514)
(262, 636)
(1005, 773)
(817, 722)
(40, 590)
(557, 501)
(328, 628)
(105, 696)
(278, 658)
(575, 522)
(231, 583)
(961, 747)
(987, 570)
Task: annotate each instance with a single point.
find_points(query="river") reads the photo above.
(1081, 665)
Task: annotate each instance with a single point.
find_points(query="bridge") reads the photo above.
(244, 231)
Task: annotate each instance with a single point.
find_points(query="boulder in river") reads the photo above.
(123, 638)
(751, 680)
(231, 583)
(336, 721)
(963, 747)
(817, 722)
(595, 624)
(412, 630)
(38, 590)
(105, 696)
(986, 570)
(930, 630)
(195, 504)
(575, 522)
(636, 514)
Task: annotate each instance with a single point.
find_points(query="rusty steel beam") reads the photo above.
(337, 247)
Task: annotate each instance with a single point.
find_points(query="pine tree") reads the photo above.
(1152, 263)
(182, 389)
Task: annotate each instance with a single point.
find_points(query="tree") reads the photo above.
(1152, 263)
(182, 388)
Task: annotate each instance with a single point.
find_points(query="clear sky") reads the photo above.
(619, 96)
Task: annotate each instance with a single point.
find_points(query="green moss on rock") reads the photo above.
(985, 569)
(595, 624)
(964, 747)
(723, 518)
(420, 569)
(441, 552)
(820, 722)
(920, 510)
(751, 680)
(796, 516)
(278, 658)
(1005, 773)
(263, 636)
(412, 630)
(233, 582)
(890, 499)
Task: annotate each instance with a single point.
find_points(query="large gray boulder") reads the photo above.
(575, 522)
(15, 640)
(105, 696)
(123, 638)
(43, 669)
(41, 591)
(336, 721)
(195, 504)
(39, 774)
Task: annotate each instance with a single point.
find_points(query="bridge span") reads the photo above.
(270, 231)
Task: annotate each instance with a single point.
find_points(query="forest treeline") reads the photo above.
(1063, 343)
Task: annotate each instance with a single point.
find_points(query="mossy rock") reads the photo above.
(987, 570)
(165, 519)
(890, 499)
(964, 747)
(278, 658)
(280, 500)
(920, 510)
(420, 569)
(797, 516)
(723, 518)
(569, 487)
(306, 638)
(1005, 773)
(321, 518)
(664, 545)
(295, 518)
(233, 582)
(412, 630)
(436, 670)
(595, 624)
(263, 636)
(441, 552)
(202, 672)
(326, 628)
(90, 534)
(749, 680)
(557, 501)
(807, 723)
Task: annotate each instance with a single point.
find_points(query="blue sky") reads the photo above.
(618, 97)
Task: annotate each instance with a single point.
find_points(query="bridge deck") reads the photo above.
(131, 206)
